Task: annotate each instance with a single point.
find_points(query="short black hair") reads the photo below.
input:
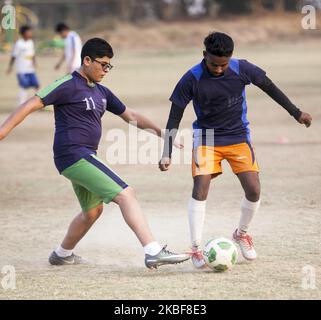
(96, 48)
(219, 44)
(61, 27)
(23, 29)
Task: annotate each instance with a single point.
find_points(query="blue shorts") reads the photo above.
(28, 80)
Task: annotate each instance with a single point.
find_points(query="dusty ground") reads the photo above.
(36, 204)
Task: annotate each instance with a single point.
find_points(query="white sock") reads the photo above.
(61, 252)
(152, 248)
(248, 209)
(196, 216)
(23, 96)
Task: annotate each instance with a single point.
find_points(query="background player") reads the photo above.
(72, 48)
(217, 88)
(79, 103)
(23, 56)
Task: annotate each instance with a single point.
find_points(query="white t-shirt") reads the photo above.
(24, 51)
(73, 42)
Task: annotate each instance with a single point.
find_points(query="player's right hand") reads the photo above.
(305, 119)
(164, 164)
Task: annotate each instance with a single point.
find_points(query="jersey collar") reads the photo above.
(207, 73)
(79, 76)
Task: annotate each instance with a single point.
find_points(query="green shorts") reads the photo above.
(93, 182)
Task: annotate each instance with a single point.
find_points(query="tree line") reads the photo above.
(140, 10)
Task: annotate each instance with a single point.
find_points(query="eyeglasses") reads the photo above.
(105, 66)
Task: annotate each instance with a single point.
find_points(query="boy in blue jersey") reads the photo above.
(79, 104)
(217, 88)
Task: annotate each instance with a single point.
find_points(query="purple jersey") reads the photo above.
(219, 102)
(78, 108)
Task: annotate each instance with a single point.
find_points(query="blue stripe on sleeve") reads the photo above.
(235, 65)
(197, 71)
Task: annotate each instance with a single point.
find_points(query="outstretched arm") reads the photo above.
(174, 119)
(19, 115)
(133, 117)
(278, 96)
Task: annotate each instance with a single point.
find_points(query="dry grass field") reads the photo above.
(36, 204)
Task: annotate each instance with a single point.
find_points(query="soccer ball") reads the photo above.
(220, 254)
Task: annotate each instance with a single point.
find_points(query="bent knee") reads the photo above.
(125, 195)
(200, 193)
(93, 214)
(129, 192)
(253, 194)
(201, 187)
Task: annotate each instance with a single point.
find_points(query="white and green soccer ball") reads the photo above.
(220, 254)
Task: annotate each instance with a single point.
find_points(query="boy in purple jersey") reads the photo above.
(79, 104)
(217, 88)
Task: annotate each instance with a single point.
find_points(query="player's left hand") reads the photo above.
(305, 119)
(164, 164)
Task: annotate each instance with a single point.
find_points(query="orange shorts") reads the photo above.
(208, 159)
